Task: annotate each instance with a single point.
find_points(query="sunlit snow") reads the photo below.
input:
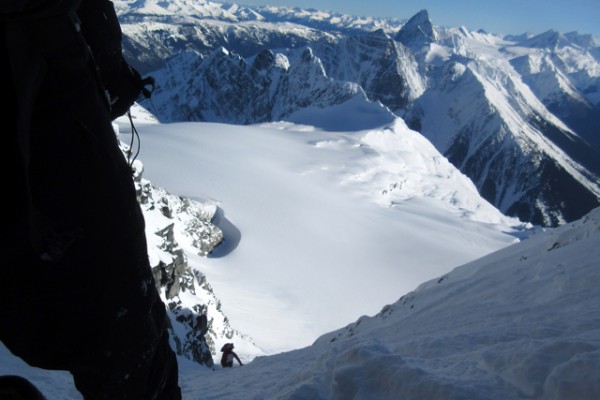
(323, 228)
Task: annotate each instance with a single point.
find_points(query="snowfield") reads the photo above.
(323, 228)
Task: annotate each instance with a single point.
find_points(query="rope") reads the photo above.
(134, 135)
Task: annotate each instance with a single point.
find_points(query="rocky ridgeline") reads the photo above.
(176, 225)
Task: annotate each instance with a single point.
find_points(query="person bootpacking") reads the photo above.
(228, 356)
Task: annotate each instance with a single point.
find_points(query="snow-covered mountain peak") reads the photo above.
(586, 41)
(420, 21)
(550, 39)
(189, 10)
(219, 54)
(418, 31)
(515, 117)
(198, 9)
(329, 20)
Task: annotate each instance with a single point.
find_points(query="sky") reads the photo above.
(495, 16)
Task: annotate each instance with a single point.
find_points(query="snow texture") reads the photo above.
(332, 225)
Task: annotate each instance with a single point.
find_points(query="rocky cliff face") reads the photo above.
(417, 32)
(197, 323)
(384, 68)
(224, 87)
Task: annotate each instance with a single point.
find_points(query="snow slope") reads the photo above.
(324, 227)
(520, 323)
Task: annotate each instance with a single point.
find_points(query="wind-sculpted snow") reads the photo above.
(407, 166)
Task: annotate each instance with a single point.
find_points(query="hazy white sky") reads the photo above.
(497, 16)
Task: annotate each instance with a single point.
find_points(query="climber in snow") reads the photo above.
(228, 356)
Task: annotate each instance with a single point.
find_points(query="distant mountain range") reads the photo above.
(519, 115)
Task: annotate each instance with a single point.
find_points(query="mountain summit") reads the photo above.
(418, 31)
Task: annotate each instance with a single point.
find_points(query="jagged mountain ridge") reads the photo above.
(262, 23)
(269, 88)
(176, 26)
(571, 93)
(403, 77)
(490, 139)
(479, 113)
